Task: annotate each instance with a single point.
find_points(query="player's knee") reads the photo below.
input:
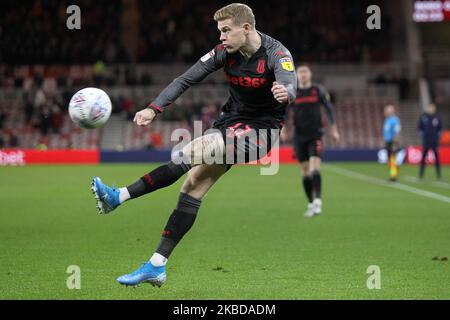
(306, 173)
(305, 170)
(193, 180)
(314, 166)
(195, 177)
(315, 173)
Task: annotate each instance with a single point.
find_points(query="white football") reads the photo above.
(90, 108)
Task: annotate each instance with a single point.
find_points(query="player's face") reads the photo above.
(389, 111)
(304, 75)
(431, 109)
(233, 37)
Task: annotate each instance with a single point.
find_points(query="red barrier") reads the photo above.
(414, 155)
(19, 157)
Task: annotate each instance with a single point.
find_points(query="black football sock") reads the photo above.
(308, 186)
(179, 223)
(317, 183)
(422, 165)
(437, 164)
(161, 177)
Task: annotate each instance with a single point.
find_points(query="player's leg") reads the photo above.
(392, 161)
(307, 180)
(301, 152)
(423, 162)
(192, 154)
(199, 180)
(316, 177)
(315, 152)
(308, 187)
(437, 162)
(109, 198)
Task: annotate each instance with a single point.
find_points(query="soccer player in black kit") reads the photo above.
(430, 127)
(262, 81)
(307, 134)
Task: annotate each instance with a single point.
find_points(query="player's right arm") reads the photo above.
(212, 61)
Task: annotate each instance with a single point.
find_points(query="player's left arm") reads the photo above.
(439, 126)
(284, 88)
(325, 99)
(288, 124)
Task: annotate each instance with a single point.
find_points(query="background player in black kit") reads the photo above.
(430, 127)
(262, 81)
(307, 134)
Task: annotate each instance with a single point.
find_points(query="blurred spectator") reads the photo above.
(401, 81)
(99, 73)
(154, 139)
(2, 141)
(128, 107)
(315, 31)
(2, 117)
(57, 119)
(146, 79)
(29, 111)
(14, 140)
(45, 119)
(209, 115)
(445, 138)
(39, 98)
(26, 28)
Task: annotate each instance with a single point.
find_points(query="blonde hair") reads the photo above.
(238, 12)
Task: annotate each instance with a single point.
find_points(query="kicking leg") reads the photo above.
(109, 198)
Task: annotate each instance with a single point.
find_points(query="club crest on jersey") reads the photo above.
(208, 56)
(286, 64)
(261, 66)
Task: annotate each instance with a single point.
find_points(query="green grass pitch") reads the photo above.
(250, 240)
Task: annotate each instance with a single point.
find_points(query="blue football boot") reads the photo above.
(146, 273)
(107, 198)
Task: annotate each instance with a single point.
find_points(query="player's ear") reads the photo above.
(247, 28)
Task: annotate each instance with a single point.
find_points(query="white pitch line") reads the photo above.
(440, 184)
(412, 179)
(395, 185)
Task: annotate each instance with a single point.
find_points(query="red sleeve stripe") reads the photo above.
(155, 107)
